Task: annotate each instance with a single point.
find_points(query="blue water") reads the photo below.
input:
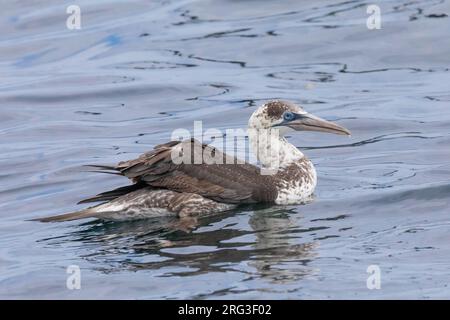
(137, 70)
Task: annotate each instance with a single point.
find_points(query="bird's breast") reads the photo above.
(296, 183)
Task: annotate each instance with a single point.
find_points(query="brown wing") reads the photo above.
(228, 182)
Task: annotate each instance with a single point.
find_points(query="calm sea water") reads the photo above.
(139, 69)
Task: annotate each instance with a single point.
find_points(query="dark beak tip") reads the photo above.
(346, 134)
(344, 131)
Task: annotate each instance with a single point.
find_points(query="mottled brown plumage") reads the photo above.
(230, 182)
(275, 109)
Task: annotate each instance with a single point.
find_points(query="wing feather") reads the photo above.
(230, 182)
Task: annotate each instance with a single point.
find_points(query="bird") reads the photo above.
(166, 181)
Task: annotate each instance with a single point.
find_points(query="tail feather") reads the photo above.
(101, 166)
(107, 172)
(113, 194)
(87, 213)
(102, 169)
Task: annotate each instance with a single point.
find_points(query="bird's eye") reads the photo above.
(288, 116)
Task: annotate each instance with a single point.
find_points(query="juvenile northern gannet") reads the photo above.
(163, 186)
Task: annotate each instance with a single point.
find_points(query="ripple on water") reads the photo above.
(132, 75)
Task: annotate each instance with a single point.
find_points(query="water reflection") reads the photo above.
(277, 254)
(266, 240)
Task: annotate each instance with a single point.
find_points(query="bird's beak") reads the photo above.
(309, 122)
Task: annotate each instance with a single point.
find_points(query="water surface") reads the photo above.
(139, 69)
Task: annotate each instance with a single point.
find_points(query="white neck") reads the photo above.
(272, 150)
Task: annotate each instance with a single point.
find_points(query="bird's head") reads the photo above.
(287, 116)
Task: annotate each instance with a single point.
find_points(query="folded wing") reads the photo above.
(173, 166)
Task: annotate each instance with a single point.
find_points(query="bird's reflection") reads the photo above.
(277, 255)
(265, 240)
